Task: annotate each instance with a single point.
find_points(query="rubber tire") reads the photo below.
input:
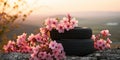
(77, 33)
(77, 47)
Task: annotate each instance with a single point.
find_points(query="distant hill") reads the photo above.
(99, 14)
(23, 28)
(39, 19)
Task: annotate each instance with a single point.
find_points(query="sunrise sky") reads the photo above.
(66, 6)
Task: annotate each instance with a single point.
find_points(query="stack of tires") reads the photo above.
(76, 41)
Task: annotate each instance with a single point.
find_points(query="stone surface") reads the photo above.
(110, 54)
(14, 56)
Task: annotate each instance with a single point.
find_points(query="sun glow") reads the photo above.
(63, 6)
(49, 2)
(29, 2)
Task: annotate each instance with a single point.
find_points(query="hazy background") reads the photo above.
(49, 7)
(96, 14)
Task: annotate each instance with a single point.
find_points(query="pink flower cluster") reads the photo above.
(40, 46)
(21, 45)
(48, 51)
(65, 24)
(102, 41)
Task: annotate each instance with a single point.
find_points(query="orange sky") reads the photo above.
(67, 6)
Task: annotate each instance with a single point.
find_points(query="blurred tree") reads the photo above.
(10, 11)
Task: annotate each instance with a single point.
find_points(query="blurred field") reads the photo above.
(95, 22)
(98, 24)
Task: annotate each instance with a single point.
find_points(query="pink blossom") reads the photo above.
(10, 47)
(29, 49)
(44, 33)
(64, 21)
(24, 35)
(69, 17)
(74, 22)
(48, 21)
(60, 28)
(93, 37)
(49, 57)
(101, 44)
(45, 39)
(95, 45)
(33, 55)
(51, 23)
(61, 56)
(56, 52)
(11, 42)
(23, 49)
(21, 40)
(59, 47)
(98, 37)
(5, 47)
(109, 41)
(36, 49)
(52, 44)
(105, 33)
(107, 45)
(31, 37)
(40, 46)
(49, 27)
(38, 38)
(68, 26)
(42, 55)
(54, 23)
(43, 30)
